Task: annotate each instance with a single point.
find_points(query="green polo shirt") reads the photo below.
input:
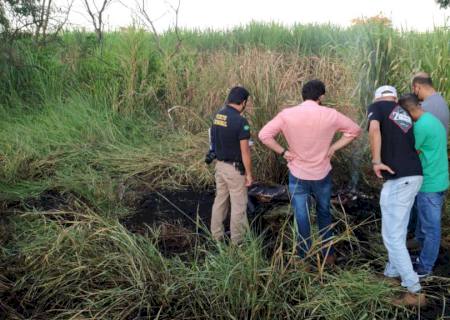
(431, 143)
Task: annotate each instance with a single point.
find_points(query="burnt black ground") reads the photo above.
(187, 207)
(182, 206)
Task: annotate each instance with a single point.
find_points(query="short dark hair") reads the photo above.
(238, 95)
(409, 101)
(312, 90)
(422, 80)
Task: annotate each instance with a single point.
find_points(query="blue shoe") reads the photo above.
(421, 272)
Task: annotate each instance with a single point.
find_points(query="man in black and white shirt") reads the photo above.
(395, 159)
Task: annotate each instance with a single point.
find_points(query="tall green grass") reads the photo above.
(83, 147)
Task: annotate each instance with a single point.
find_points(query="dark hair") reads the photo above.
(238, 95)
(422, 80)
(312, 90)
(409, 101)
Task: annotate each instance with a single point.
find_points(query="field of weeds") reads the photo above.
(105, 198)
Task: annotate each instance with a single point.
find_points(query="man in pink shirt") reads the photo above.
(309, 129)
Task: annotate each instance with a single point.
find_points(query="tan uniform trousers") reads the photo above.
(230, 189)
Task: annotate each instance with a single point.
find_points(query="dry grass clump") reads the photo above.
(274, 80)
(83, 265)
(178, 162)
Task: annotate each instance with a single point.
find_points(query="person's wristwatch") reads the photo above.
(284, 151)
(374, 162)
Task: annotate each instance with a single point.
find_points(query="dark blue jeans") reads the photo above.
(320, 190)
(428, 229)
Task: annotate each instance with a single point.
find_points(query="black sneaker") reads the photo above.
(421, 273)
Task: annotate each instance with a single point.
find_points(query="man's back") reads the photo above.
(309, 130)
(228, 128)
(397, 136)
(437, 106)
(431, 142)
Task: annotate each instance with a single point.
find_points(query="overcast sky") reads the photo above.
(223, 14)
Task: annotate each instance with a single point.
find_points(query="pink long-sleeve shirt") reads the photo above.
(309, 130)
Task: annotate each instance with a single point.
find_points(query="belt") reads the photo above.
(239, 166)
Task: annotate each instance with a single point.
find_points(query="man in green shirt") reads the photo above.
(431, 144)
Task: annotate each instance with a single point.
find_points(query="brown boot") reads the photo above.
(409, 299)
(330, 260)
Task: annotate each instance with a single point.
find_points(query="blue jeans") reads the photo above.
(428, 229)
(300, 191)
(396, 201)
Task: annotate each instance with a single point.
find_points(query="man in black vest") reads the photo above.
(230, 135)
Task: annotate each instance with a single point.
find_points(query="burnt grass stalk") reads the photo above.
(92, 137)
